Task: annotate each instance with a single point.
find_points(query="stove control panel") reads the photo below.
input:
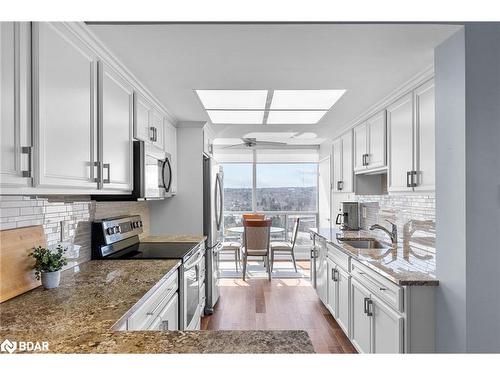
(120, 228)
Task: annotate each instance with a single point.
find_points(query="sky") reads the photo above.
(270, 175)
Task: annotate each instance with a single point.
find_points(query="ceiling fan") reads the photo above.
(253, 142)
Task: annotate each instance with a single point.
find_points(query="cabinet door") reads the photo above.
(169, 317)
(324, 192)
(321, 275)
(344, 281)
(376, 141)
(116, 128)
(142, 107)
(400, 131)
(156, 120)
(337, 164)
(64, 111)
(360, 321)
(14, 103)
(425, 154)
(360, 146)
(387, 331)
(332, 287)
(347, 171)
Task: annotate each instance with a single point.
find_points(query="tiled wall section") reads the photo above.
(76, 212)
(401, 209)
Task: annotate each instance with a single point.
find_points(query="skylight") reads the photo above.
(268, 106)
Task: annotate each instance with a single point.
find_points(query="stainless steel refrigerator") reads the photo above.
(213, 207)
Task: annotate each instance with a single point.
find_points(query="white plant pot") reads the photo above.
(51, 280)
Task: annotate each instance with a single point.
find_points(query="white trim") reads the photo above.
(400, 91)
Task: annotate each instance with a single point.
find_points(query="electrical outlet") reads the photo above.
(363, 212)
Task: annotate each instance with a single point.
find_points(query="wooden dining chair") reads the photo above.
(253, 217)
(286, 246)
(256, 242)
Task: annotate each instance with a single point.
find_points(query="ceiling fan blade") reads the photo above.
(271, 143)
(237, 145)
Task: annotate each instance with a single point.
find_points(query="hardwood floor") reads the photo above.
(279, 304)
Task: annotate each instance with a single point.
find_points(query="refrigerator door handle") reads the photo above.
(218, 202)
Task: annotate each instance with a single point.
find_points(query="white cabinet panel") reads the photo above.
(347, 170)
(376, 141)
(360, 321)
(64, 108)
(141, 118)
(344, 282)
(400, 139)
(324, 192)
(425, 137)
(321, 275)
(360, 146)
(116, 127)
(14, 103)
(332, 287)
(337, 164)
(387, 328)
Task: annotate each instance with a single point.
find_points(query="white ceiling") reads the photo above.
(368, 60)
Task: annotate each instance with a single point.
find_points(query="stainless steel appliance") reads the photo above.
(152, 175)
(213, 199)
(118, 238)
(348, 218)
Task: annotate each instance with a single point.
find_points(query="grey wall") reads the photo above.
(183, 214)
(467, 71)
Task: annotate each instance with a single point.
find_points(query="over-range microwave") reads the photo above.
(152, 175)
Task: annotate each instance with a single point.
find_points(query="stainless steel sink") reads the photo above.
(364, 244)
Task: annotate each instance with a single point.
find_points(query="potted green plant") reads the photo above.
(48, 265)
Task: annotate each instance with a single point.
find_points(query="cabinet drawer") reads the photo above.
(384, 289)
(167, 319)
(146, 313)
(339, 257)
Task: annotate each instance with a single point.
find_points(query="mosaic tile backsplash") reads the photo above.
(65, 218)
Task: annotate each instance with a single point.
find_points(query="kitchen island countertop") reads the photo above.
(78, 317)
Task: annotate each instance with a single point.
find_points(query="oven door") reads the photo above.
(192, 290)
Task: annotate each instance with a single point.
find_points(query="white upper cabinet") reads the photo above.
(15, 110)
(64, 108)
(337, 164)
(360, 147)
(400, 139)
(116, 130)
(342, 163)
(411, 138)
(170, 141)
(376, 141)
(370, 144)
(425, 137)
(148, 122)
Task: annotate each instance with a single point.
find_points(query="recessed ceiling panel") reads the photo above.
(294, 117)
(233, 99)
(236, 117)
(305, 99)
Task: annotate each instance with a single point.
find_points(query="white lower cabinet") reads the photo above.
(343, 286)
(387, 328)
(361, 326)
(332, 287)
(322, 271)
(168, 319)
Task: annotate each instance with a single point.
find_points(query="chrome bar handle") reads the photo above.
(152, 133)
(368, 309)
(106, 180)
(408, 177)
(414, 181)
(365, 305)
(28, 150)
(340, 185)
(99, 172)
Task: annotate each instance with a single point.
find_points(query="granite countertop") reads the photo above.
(78, 317)
(411, 262)
(174, 238)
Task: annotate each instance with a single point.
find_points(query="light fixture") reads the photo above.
(236, 117)
(233, 99)
(305, 99)
(294, 117)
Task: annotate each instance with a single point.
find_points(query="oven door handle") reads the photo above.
(194, 263)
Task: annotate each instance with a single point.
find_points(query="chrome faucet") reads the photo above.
(393, 233)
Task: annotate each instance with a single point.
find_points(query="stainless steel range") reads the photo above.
(118, 238)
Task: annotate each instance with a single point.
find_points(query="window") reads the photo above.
(286, 187)
(237, 186)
